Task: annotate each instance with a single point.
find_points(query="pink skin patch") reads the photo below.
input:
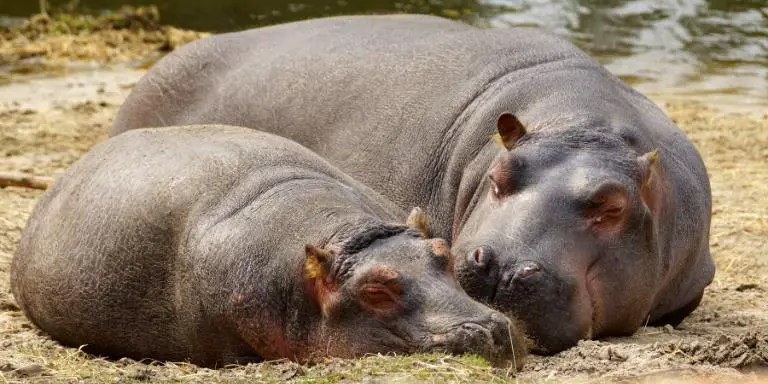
(267, 338)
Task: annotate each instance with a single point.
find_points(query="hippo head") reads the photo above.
(390, 289)
(562, 234)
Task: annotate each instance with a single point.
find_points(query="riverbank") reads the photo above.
(62, 43)
(53, 113)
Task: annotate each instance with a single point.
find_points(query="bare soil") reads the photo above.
(48, 122)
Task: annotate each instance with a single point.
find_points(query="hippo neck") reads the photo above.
(472, 185)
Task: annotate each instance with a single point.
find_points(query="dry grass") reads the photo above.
(125, 35)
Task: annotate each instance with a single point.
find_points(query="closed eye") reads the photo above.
(380, 297)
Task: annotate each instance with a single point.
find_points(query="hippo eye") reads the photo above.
(494, 186)
(505, 176)
(380, 296)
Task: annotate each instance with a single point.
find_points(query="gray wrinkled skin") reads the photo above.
(189, 244)
(407, 105)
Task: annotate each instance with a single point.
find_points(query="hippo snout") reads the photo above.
(481, 259)
(494, 337)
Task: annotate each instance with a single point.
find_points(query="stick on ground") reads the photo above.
(23, 180)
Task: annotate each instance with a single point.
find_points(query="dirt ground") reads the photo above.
(47, 122)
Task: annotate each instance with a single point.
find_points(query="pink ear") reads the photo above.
(319, 282)
(651, 186)
(509, 130)
(610, 209)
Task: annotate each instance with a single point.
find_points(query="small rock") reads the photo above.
(746, 287)
(695, 347)
(750, 340)
(721, 355)
(126, 361)
(29, 370)
(742, 361)
(288, 372)
(721, 340)
(141, 374)
(739, 351)
(605, 353)
(9, 306)
(618, 356)
(669, 328)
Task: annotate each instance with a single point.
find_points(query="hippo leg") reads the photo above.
(675, 317)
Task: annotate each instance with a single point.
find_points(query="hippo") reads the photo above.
(220, 245)
(571, 201)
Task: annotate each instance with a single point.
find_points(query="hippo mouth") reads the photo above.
(584, 309)
(446, 341)
(503, 285)
(589, 288)
(470, 337)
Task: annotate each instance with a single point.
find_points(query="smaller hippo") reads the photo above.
(221, 244)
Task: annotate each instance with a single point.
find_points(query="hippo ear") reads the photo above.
(508, 130)
(608, 209)
(317, 275)
(318, 263)
(650, 181)
(418, 220)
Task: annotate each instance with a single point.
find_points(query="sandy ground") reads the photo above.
(46, 123)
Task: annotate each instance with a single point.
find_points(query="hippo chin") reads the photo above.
(587, 217)
(220, 245)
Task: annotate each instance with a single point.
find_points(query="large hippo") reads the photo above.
(570, 199)
(223, 245)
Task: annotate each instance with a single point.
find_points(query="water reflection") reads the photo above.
(692, 47)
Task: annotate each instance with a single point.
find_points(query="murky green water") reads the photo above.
(702, 49)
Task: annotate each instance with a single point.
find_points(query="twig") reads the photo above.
(14, 179)
(43, 8)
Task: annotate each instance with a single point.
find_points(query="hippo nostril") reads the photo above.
(527, 269)
(480, 258)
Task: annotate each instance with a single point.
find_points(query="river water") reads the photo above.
(715, 51)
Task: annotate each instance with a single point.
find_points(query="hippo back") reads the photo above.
(377, 96)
